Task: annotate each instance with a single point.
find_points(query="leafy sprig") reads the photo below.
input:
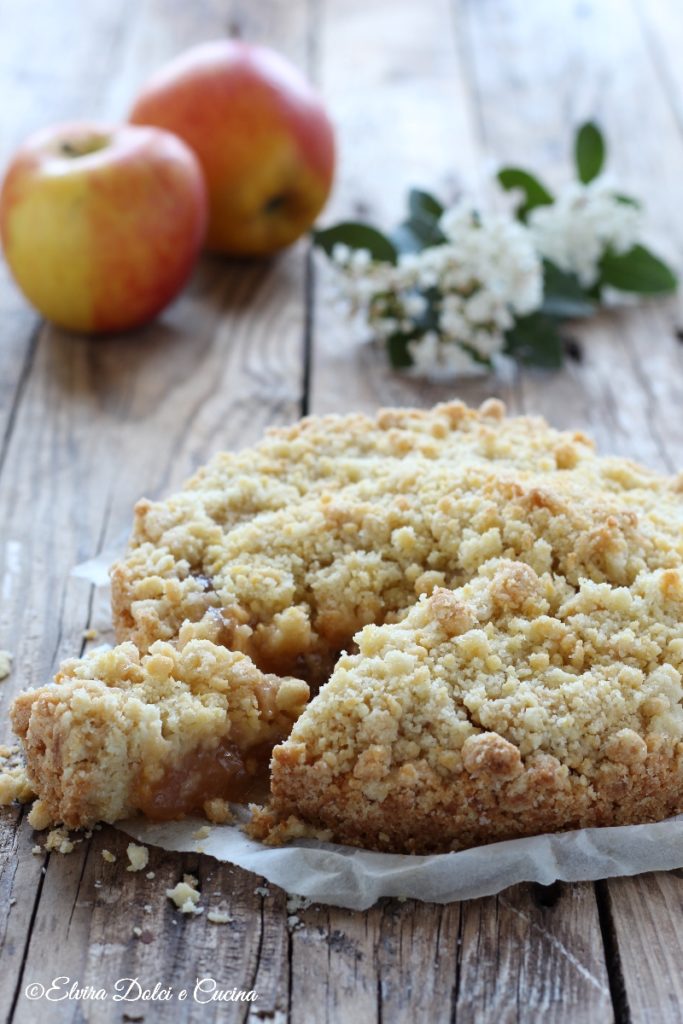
(638, 270)
(535, 338)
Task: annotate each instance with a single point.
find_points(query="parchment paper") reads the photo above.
(346, 877)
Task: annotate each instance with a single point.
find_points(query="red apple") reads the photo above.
(262, 137)
(101, 225)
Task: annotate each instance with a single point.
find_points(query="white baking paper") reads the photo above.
(343, 876)
(346, 877)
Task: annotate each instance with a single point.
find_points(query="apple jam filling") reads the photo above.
(224, 772)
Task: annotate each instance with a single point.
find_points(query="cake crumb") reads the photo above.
(39, 817)
(218, 811)
(138, 857)
(295, 903)
(186, 896)
(218, 917)
(147, 908)
(261, 890)
(58, 841)
(109, 857)
(5, 664)
(37, 850)
(14, 785)
(137, 932)
(150, 875)
(90, 634)
(202, 833)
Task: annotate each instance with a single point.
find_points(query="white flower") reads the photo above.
(583, 222)
(474, 286)
(414, 304)
(361, 259)
(341, 254)
(435, 358)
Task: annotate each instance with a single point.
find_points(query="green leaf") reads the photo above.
(417, 234)
(535, 193)
(589, 151)
(423, 205)
(357, 236)
(637, 270)
(535, 341)
(563, 296)
(627, 200)
(421, 229)
(399, 354)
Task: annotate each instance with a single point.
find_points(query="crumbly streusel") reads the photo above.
(286, 550)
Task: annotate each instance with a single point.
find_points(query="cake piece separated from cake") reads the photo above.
(556, 571)
(167, 733)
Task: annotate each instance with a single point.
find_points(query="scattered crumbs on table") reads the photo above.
(58, 841)
(218, 917)
(185, 895)
(138, 857)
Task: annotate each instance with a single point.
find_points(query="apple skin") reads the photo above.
(262, 137)
(101, 226)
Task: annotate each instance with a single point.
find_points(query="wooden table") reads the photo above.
(424, 92)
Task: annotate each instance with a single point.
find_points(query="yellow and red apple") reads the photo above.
(101, 226)
(262, 137)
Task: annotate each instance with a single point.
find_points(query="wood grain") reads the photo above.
(435, 94)
(221, 365)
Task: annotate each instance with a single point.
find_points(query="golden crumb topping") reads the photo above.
(285, 551)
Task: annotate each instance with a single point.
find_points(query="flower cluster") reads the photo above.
(584, 223)
(457, 291)
(453, 302)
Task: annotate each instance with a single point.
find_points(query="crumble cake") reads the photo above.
(249, 586)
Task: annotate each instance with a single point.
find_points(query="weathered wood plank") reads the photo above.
(85, 929)
(101, 422)
(533, 953)
(645, 913)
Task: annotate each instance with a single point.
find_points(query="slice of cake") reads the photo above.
(164, 733)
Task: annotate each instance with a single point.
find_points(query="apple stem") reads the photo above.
(275, 203)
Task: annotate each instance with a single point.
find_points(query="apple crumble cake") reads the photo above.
(452, 627)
